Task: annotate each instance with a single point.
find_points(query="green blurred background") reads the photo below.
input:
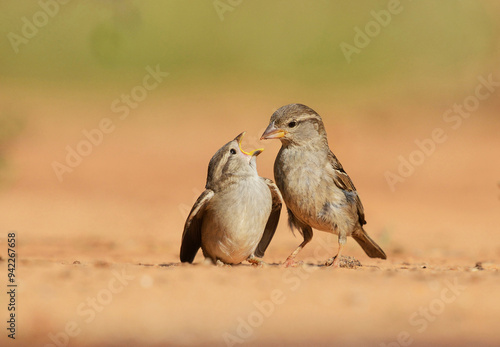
(429, 47)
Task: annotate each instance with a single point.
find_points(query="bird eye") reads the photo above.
(233, 151)
(292, 124)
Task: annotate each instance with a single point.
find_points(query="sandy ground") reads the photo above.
(98, 252)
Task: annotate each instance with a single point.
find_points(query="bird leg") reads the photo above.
(335, 261)
(307, 233)
(290, 261)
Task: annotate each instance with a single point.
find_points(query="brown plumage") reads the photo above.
(317, 191)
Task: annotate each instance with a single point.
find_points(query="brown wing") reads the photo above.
(191, 237)
(343, 181)
(272, 222)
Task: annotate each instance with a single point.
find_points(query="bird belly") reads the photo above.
(234, 224)
(313, 198)
(310, 215)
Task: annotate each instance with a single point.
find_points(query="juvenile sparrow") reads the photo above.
(235, 218)
(317, 191)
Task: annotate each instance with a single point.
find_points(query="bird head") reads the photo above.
(295, 124)
(231, 161)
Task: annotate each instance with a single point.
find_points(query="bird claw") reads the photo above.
(290, 262)
(333, 262)
(256, 262)
(343, 262)
(220, 263)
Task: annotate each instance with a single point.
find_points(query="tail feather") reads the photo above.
(369, 246)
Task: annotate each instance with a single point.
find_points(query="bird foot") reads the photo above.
(333, 262)
(256, 262)
(220, 263)
(290, 262)
(343, 261)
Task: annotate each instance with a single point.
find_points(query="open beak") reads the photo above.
(273, 133)
(255, 152)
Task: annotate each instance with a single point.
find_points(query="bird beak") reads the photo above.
(255, 152)
(273, 133)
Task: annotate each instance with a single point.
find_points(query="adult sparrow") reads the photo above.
(317, 191)
(235, 218)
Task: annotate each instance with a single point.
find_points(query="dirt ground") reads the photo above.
(98, 252)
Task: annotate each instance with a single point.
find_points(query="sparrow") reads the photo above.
(236, 216)
(317, 191)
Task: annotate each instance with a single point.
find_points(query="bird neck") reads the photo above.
(316, 142)
(229, 179)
